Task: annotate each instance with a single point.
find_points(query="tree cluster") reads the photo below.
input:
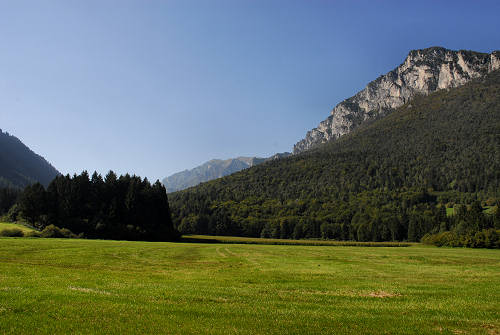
(469, 227)
(125, 207)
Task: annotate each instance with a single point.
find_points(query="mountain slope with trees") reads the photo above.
(19, 166)
(390, 179)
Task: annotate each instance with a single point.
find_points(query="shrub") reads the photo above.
(32, 233)
(487, 238)
(52, 231)
(11, 232)
(445, 238)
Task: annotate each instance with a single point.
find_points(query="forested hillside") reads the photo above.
(388, 180)
(19, 166)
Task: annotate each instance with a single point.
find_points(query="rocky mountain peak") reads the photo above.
(423, 71)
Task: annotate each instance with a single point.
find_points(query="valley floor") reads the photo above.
(52, 286)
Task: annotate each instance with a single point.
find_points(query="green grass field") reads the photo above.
(52, 286)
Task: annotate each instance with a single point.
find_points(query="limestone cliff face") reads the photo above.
(423, 72)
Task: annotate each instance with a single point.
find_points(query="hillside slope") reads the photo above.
(440, 148)
(19, 166)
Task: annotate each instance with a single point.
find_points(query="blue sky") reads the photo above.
(155, 87)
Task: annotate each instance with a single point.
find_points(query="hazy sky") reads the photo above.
(155, 87)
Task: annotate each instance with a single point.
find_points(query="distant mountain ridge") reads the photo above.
(423, 71)
(20, 166)
(213, 169)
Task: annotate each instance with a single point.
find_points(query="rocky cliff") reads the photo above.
(423, 72)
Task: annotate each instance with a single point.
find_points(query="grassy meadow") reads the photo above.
(50, 286)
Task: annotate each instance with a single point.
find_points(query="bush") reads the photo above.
(446, 238)
(32, 233)
(11, 232)
(487, 238)
(52, 231)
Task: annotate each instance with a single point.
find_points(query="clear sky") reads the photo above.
(156, 87)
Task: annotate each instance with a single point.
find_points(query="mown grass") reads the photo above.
(52, 286)
(276, 241)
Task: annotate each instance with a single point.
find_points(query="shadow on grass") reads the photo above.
(184, 239)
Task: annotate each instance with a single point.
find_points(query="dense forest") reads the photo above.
(125, 207)
(19, 166)
(391, 179)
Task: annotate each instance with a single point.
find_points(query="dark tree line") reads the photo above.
(370, 216)
(125, 207)
(8, 197)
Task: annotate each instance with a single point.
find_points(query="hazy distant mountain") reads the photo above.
(423, 71)
(213, 169)
(19, 166)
